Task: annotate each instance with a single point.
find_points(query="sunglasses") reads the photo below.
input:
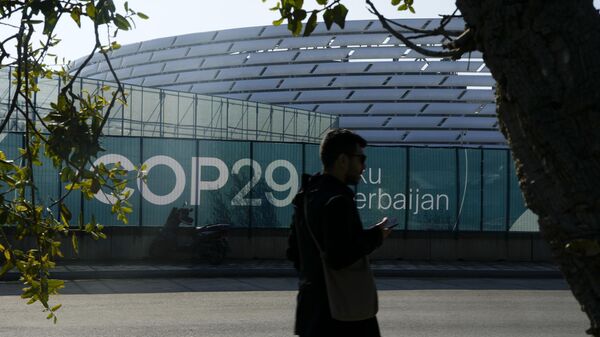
(361, 157)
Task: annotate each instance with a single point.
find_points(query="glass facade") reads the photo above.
(163, 113)
(251, 184)
(241, 163)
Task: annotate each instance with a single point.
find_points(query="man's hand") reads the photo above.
(385, 226)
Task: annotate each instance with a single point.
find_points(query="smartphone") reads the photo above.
(392, 222)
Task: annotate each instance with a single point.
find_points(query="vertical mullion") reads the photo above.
(507, 208)
(141, 199)
(406, 187)
(458, 210)
(481, 187)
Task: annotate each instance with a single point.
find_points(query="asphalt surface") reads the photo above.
(253, 307)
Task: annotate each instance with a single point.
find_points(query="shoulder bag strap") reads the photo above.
(307, 223)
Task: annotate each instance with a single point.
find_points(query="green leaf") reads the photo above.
(403, 7)
(65, 213)
(73, 186)
(55, 285)
(395, 2)
(90, 9)
(328, 18)
(294, 3)
(299, 14)
(75, 243)
(278, 22)
(311, 24)
(76, 15)
(322, 2)
(6, 164)
(66, 174)
(142, 16)
(6, 268)
(121, 22)
(411, 9)
(276, 8)
(33, 22)
(50, 21)
(294, 26)
(339, 15)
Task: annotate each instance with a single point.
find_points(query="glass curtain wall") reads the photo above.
(153, 112)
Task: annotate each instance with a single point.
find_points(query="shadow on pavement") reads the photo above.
(166, 285)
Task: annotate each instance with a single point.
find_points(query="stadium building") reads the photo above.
(377, 86)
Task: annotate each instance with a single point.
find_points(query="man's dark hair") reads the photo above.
(337, 142)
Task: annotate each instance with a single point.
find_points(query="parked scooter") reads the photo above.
(208, 241)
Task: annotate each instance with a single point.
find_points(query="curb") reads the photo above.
(214, 272)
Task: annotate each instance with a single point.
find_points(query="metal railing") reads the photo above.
(163, 113)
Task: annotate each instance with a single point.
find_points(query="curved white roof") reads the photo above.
(376, 85)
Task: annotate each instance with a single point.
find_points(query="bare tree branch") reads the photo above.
(440, 30)
(454, 53)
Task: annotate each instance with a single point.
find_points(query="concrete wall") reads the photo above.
(132, 243)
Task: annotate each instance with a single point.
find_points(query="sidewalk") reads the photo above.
(281, 268)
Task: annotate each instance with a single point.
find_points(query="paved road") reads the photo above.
(264, 307)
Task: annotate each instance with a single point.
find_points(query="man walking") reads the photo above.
(333, 238)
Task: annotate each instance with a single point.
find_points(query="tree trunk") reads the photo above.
(545, 57)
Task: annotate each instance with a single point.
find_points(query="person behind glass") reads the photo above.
(338, 230)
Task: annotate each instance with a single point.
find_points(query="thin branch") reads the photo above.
(120, 89)
(447, 18)
(85, 63)
(326, 7)
(456, 53)
(79, 173)
(7, 24)
(33, 107)
(79, 169)
(14, 101)
(7, 244)
(440, 30)
(29, 122)
(88, 58)
(70, 189)
(23, 53)
(9, 13)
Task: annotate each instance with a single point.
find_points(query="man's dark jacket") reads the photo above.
(336, 224)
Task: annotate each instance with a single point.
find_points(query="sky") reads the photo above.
(192, 16)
